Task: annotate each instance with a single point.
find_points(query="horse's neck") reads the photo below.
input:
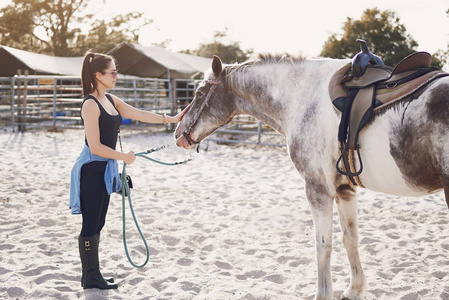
(280, 94)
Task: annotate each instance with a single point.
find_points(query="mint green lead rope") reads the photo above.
(126, 188)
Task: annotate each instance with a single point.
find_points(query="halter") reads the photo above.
(186, 133)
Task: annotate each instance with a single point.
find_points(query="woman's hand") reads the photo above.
(179, 116)
(129, 158)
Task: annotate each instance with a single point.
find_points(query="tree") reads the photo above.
(23, 20)
(229, 53)
(52, 27)
(103, 36)
(385, 35)
(15, 24)
(441, 57)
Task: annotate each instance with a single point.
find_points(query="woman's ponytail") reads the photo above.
(86, 77)
(93, 63)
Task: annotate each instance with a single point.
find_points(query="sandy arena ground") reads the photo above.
(232, 224)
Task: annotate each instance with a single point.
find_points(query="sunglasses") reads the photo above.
(115, 73)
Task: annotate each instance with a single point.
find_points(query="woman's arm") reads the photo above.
(133, 113)
(91, 114)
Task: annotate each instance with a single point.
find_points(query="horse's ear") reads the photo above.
(217, 66)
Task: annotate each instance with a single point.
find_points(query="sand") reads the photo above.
(232, 224)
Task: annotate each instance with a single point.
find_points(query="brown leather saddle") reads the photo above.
(366, 84)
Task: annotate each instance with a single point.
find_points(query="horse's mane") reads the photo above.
(278, 58)
(232, 71)
(265, 58)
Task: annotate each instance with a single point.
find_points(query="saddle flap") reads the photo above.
(362, 103)
(413, 61)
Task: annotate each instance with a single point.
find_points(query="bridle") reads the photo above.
(186, 133)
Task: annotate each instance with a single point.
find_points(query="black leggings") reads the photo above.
(94, 198)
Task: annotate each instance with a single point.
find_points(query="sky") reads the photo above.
(278, 26)
(293, 26)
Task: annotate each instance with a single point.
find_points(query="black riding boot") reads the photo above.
(110, 280)
(88, 247)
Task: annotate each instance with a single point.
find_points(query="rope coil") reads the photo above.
(126, 188)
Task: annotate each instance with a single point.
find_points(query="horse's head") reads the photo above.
(211, 108)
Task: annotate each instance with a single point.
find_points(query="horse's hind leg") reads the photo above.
(445, 182)
(347, 211)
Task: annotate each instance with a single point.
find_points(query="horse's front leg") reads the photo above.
(347, 210)
(321, 206)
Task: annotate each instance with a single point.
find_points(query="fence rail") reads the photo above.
(54, 101)
(37, 101)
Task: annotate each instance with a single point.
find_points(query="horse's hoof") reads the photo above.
(351, 295)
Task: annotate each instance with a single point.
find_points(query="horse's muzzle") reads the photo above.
(184, 143)
(184, 138)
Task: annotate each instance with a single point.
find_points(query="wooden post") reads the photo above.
(54, 106)
(174, 105)
(19, 101)
(24, 100)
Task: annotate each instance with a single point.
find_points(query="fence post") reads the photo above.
(135, 97)
(13, 82)
(174, 101)
(19, 101)
(54, 103)
(174, 104)
(25, 94)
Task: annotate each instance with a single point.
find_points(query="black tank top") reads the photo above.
(109, 125)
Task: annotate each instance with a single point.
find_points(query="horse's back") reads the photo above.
(405, 150)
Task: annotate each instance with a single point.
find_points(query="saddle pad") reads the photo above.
(336, 88)
(385, 95)
(389, 95)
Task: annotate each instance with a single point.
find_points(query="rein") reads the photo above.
(186, 133)
(126, 192)
(125, 187)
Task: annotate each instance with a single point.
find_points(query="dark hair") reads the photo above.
(93, 63)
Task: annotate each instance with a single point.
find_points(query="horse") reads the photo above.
(404, 148)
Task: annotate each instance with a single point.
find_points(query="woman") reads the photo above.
(95, 173)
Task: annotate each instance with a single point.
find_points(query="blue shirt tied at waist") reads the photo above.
(111, 177)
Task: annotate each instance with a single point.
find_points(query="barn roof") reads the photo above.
(132, 59)
(12, 59)
(157, 62)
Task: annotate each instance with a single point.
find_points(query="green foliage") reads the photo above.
(52, 27)
(103, 36)
(25, 21)
(228, 52)
(15, 23)
(440, 59)
(385, 35)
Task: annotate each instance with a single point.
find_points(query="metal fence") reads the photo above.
(53, 102)
(5, 100)
(43, 101)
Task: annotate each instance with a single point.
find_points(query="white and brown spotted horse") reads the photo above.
(405, 149)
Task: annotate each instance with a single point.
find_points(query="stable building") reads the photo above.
(12, 59)
(158, 62)
(132, 59)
